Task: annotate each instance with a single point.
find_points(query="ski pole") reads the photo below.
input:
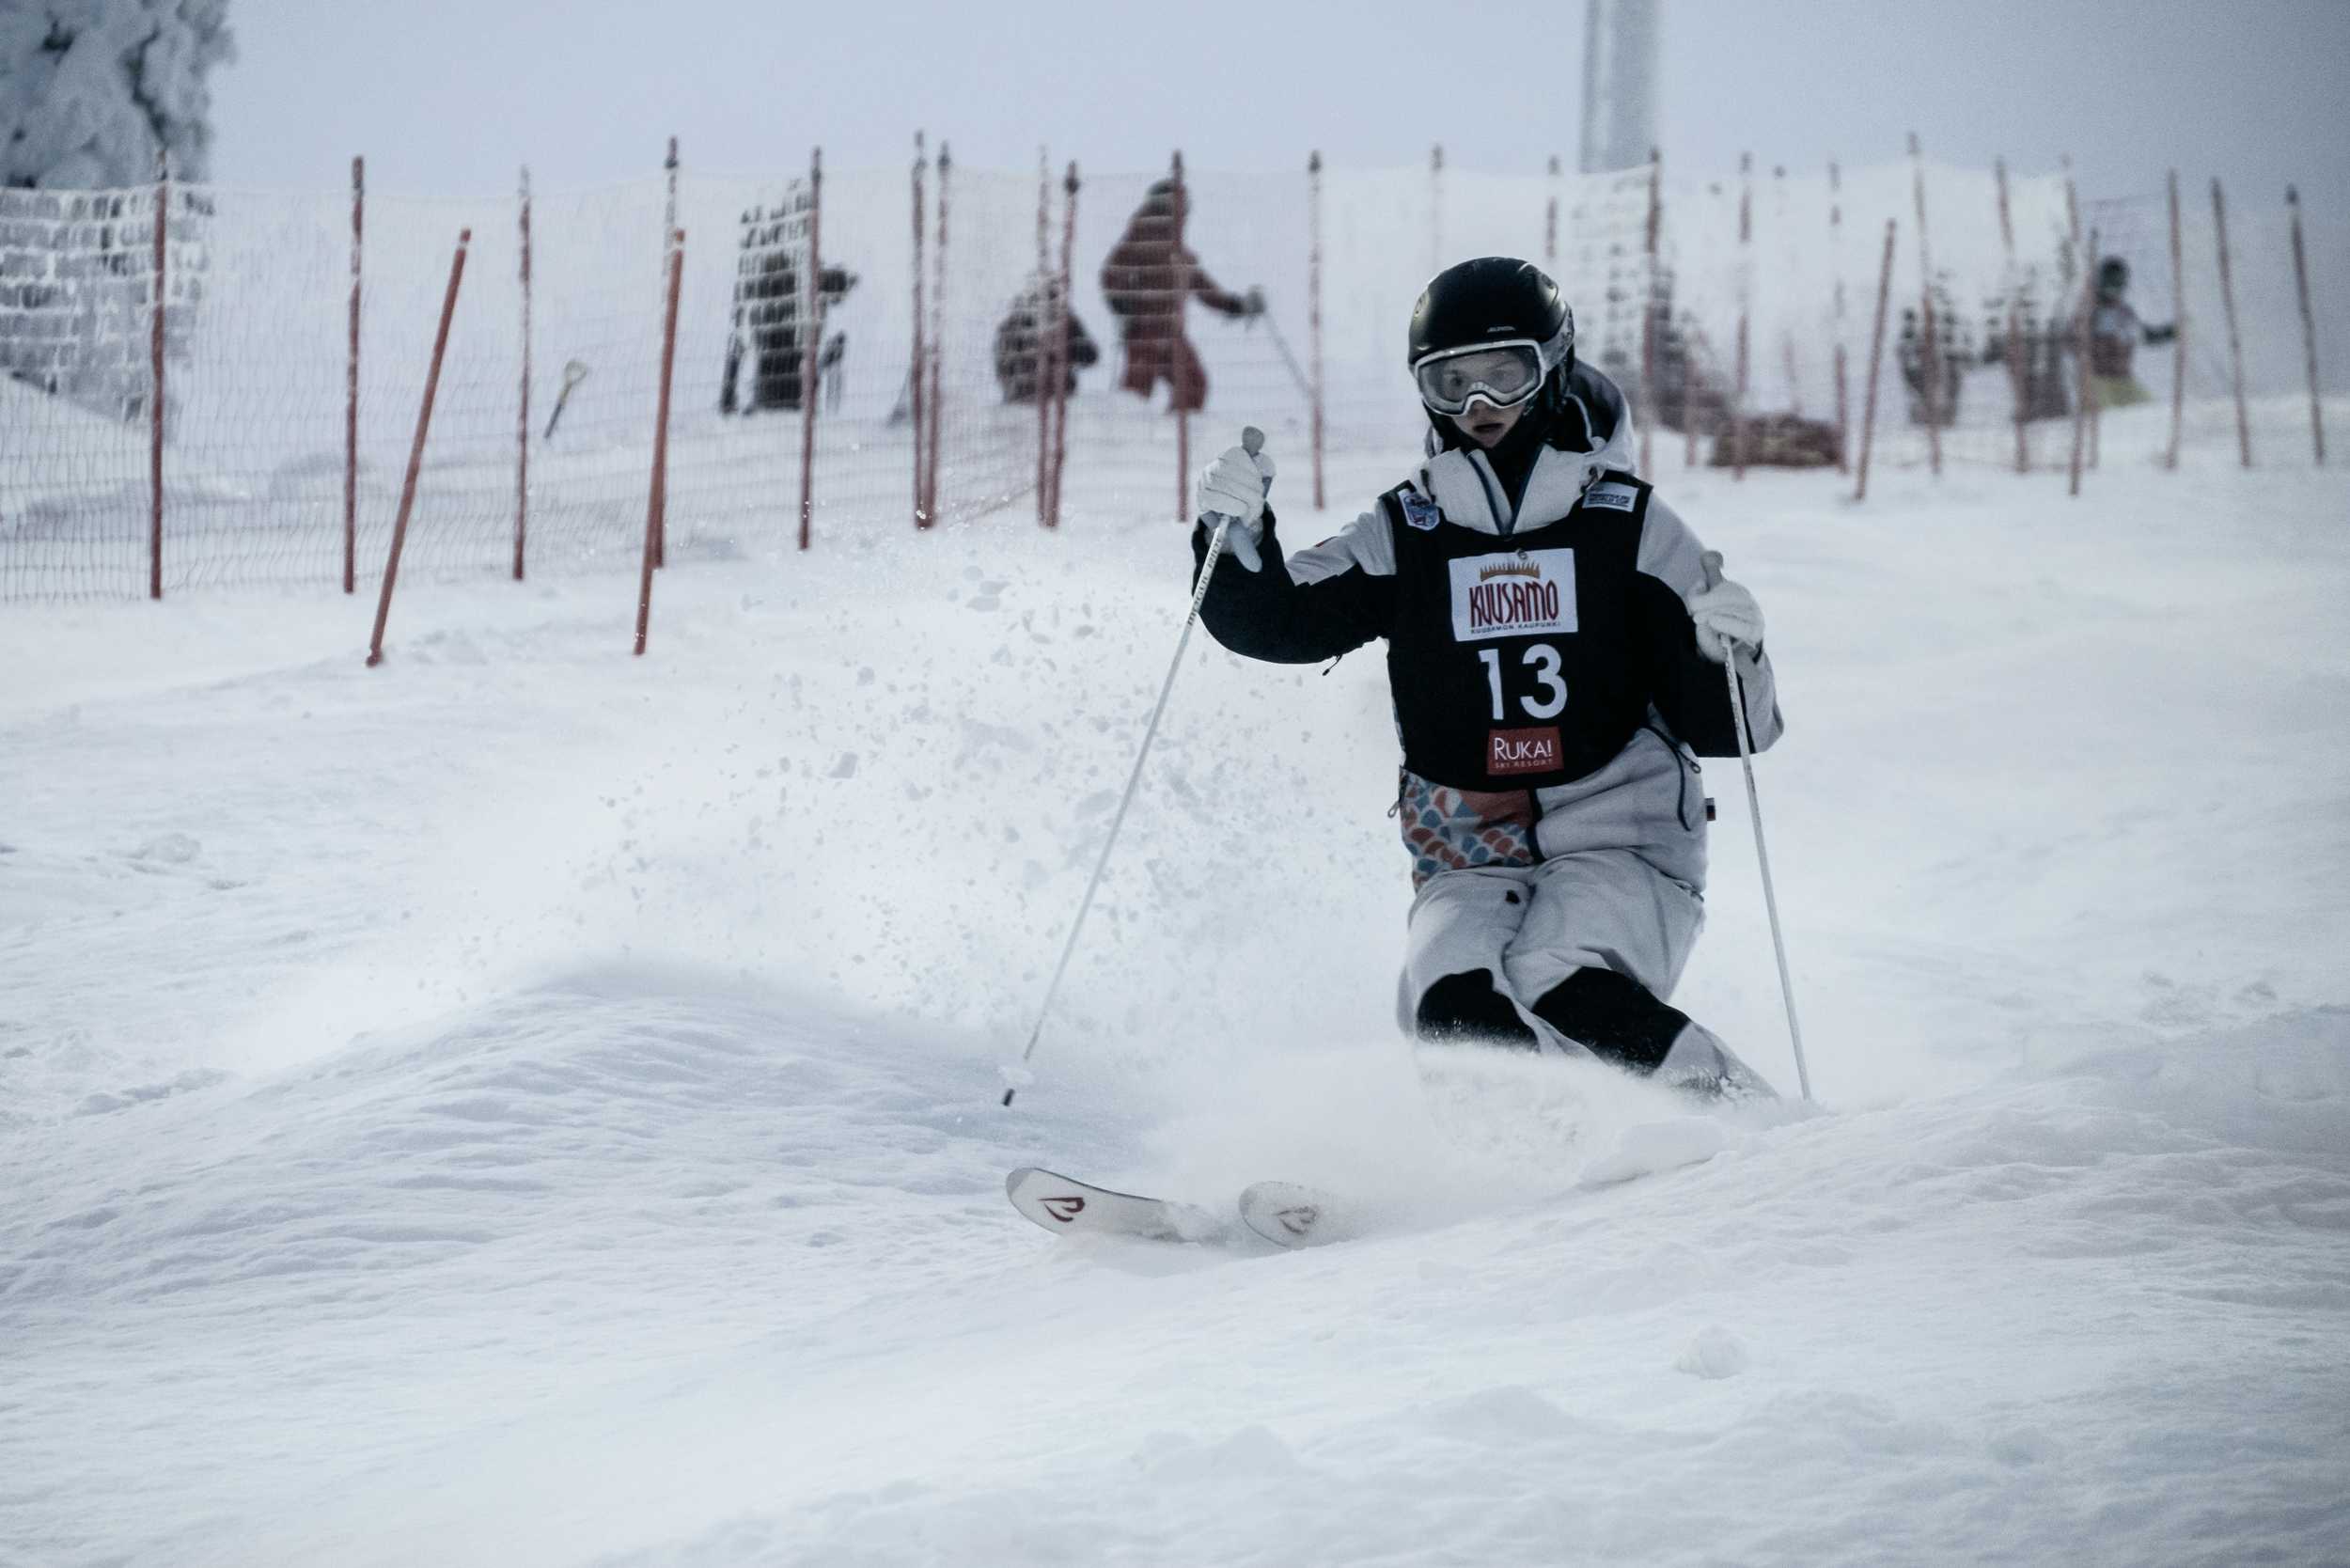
(573, 373)
(1253, 440)
(1305, 389)
(1712, 561)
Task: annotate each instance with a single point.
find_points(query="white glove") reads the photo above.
(1234, 486)
(1725, 613)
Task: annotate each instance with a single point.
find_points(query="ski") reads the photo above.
(1067, 1206)
(1291, 1216)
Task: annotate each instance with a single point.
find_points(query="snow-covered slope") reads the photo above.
(526, 1104)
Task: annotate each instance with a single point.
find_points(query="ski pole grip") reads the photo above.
(1710, 563)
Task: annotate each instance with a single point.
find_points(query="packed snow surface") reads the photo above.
(525, 1104)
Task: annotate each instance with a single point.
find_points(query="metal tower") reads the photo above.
(1620, 54)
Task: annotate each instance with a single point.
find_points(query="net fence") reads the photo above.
(937, 344)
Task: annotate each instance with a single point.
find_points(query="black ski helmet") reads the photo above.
(2113, 278)
(1494, 299)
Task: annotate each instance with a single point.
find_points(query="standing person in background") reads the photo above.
(1555, 636)
(1147, 281)
(2114, 334)
(1021, 339)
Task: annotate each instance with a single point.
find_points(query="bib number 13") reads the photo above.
(1543, 660)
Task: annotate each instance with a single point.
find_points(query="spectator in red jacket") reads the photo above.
(1147, 279)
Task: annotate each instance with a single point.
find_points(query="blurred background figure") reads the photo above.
(2114, 334)
(1020, 336)
(1147, 279)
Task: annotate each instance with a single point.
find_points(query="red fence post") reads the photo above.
(1930, 345)
(155, 396)
(916, 366)
(2235, 343)
(938, 344)
(1746, 301)
(2178, 331)
(521, 418)
(1039, 353)
(1836, 268)
(1550, 219)
(1648, 312)
(1179, 279)
(1876, 362)
(811, 342)
(2016, 368)
(2309, 324)
(351, 389)
(657, 502)
(1061, 311)
(1314, 306)
(2087, 393)
(668, 240)
(415, 450)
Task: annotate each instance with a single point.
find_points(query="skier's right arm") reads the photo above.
(1311, 606)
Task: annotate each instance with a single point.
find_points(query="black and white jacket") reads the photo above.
(1547, 685)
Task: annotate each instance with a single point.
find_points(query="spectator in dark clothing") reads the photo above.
(2114, 333)
(1147, 281)
(1023, 331)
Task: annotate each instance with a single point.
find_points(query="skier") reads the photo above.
(1554, 645)
(1147, 279)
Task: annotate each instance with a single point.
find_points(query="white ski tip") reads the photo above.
(1289, 1214)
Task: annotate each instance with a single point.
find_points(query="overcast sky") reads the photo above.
(451, 96)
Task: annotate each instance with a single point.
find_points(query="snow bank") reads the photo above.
(526, 1104)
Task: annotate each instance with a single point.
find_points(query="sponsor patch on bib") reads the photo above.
(1611, 495)
(1517, 595)
(1509, 751)
(1419, 512)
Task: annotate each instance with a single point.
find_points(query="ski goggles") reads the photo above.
(1504, 374)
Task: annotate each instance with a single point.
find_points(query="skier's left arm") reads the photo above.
(1687, 627)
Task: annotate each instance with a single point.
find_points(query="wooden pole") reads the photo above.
(1836, 252)
(1182, 295)
(1877, 361)
(1040, 356)
(1930, 348)
(811, 342)
(2235, 343)
(2178, 329)
(2308, 326)
(1550, 218)
(1061, 315)
(351, 387)
(668, 240)
(934, 404)
(2082, 339)
(657, 500)
(2015, 361)
(916, 373)
(155, 384)
(1314, 306)
(522, 419)
(415, 449)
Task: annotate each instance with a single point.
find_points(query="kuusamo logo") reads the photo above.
(1513, 595)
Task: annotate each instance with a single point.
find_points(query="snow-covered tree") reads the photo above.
(91, 90)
